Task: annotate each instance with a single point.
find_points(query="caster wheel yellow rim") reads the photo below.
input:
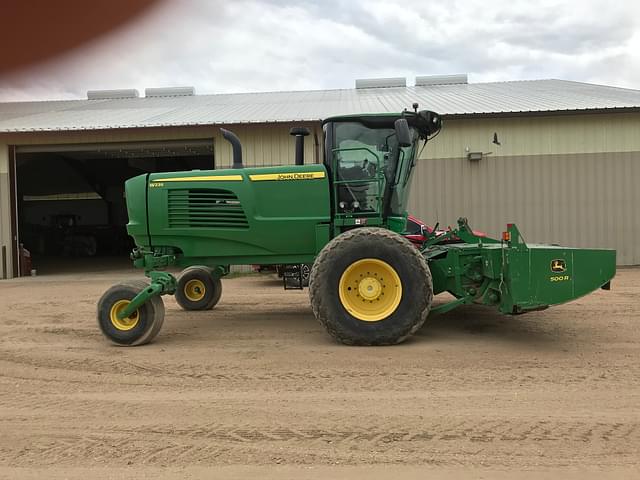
(195, 290)
(124, 324)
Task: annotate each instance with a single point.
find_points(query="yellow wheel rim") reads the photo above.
(123, 324)
(370, 289)
(195, 290)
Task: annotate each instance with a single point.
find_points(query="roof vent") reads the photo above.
(169, 92)
(381, 82)
(426, 80)
(111, 94)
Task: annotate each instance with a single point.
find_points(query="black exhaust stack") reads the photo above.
(300, 133)
(233, 139)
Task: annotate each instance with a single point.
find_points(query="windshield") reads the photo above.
(372, 156)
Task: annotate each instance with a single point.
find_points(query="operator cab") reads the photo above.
(370, 160)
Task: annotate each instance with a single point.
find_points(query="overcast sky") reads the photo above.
(267, 45)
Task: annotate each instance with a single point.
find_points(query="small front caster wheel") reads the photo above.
(198, 289)
(137, 329)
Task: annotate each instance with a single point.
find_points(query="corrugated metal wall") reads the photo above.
(262, 144)
(571, 180)
(567, 179)
(5, 217)
(538, 135)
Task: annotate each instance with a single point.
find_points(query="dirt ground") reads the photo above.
(256, 388)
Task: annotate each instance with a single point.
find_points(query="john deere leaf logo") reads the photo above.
(558, 266)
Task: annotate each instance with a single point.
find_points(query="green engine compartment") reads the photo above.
(233, 216)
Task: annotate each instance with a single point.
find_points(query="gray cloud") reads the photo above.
(252, 45)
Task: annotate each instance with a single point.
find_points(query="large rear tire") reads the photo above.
(139, 328)
(198, 289)
(370, 286)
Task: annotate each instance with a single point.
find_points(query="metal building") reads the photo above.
(562, 159)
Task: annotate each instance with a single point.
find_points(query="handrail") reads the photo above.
(371, 180)
(353, 149)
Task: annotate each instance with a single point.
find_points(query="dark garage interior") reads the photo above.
(71, 204)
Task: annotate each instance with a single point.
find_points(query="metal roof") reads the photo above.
(455, 99)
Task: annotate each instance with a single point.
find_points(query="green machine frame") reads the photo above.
(288, 214)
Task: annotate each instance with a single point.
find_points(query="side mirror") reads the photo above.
(403, 134)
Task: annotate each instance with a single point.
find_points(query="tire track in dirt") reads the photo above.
(520, 375)
(260, 385)
(197, 444)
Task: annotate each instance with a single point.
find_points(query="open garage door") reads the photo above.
(71, 210)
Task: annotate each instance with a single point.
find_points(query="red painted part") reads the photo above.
(418, 238)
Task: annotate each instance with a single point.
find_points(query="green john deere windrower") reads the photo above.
(368, 284)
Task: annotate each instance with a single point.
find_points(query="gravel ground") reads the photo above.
(256, 388)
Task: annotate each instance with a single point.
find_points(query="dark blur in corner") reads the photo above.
(33, 31)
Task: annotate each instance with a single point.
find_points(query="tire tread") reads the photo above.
(323, 264)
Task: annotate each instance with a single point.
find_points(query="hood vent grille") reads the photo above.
(205, 208)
